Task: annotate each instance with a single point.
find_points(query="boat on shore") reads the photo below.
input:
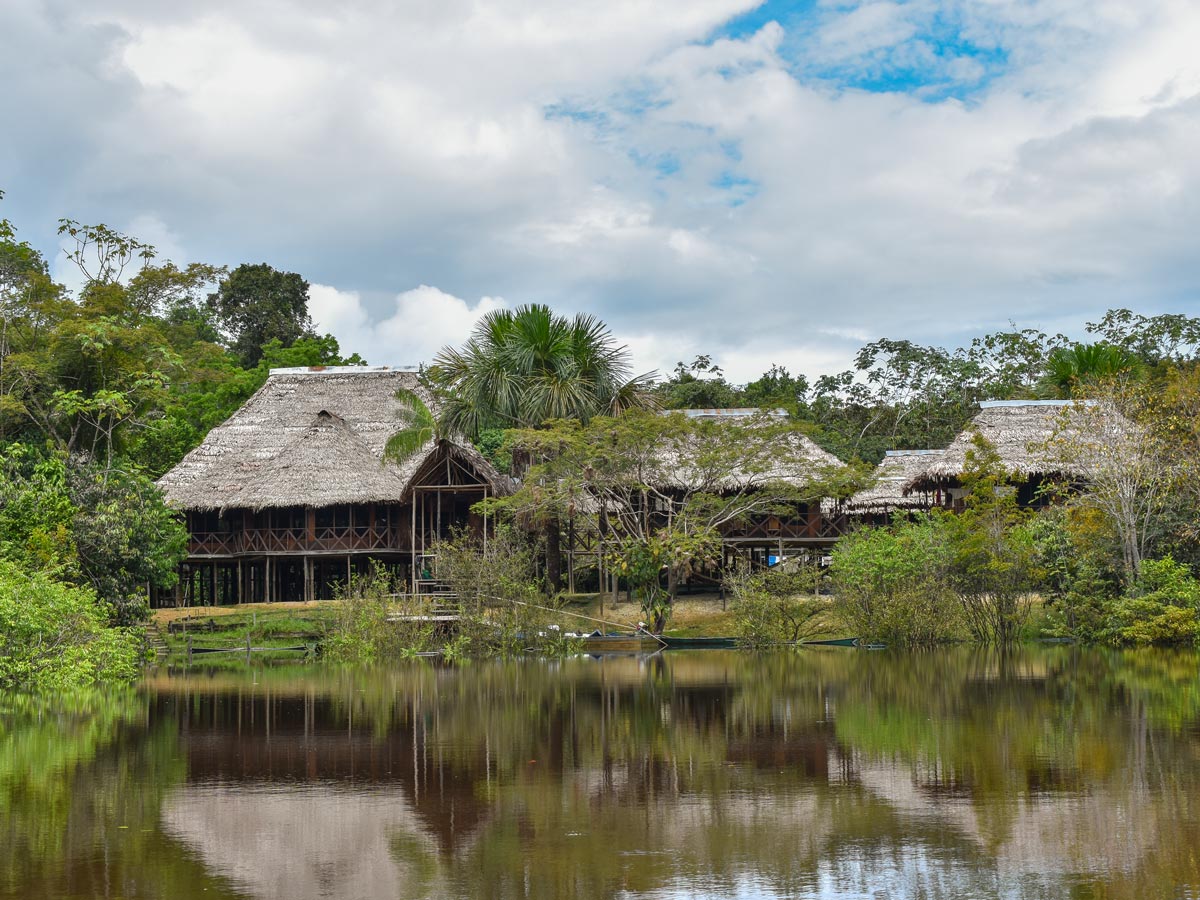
(699, 643)
(619, 642)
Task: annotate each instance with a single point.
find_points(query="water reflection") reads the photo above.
(1042, 773)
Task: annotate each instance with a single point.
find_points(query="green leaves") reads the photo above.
(53, 636)
(418, 427)
(526, 366)
(257, 304)
(102, 253)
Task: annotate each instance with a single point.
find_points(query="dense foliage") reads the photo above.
(54, 636)
(104, 389)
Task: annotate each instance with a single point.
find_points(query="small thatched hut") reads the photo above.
(887, 495)
(1028, 436)
(292, 495)
(791, 458)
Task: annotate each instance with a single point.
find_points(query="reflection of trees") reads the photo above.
(951, 773)
(81, 783)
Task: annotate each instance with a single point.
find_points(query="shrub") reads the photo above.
(1160, 608)
(497, 590)
(53, 636)
(1082, 611)
(890, 584)
(374, 620)
(777, 605)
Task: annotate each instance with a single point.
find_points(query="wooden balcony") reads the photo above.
(814, 528)
(326, 539)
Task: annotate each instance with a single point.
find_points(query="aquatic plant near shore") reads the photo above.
(53, 636)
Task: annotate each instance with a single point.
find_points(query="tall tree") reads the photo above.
(257, 304)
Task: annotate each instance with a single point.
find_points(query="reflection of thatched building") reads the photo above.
(1033, 439)
(292, 493)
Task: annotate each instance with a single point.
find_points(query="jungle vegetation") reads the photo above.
(105, 387)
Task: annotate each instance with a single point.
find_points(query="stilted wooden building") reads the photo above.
(1040, 443)
(292, 495)
(760, 538)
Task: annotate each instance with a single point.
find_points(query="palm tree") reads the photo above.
(522, 367)
(519, 369)
(418, 427)
(1070, 367)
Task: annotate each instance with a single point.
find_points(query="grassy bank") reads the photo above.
(221, 627)
(294, 624)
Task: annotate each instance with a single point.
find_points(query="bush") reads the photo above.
(53, 636)
(376, 621)
(498, 593)
(1161, 607)
(777, 605)
(1082, 611)
(890, 584)
(1077, 579)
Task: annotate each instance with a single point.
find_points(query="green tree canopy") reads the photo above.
(523, 367)
(256, 304)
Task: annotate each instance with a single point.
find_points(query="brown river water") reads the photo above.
(834, 773)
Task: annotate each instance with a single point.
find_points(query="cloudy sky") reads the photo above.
(770, 182)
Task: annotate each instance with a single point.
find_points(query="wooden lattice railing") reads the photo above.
(325, 539)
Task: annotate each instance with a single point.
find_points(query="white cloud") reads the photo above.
(417, 325)
(701, 196)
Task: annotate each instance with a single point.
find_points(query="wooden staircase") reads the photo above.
(157, 641)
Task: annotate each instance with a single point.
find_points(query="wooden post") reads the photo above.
(571, 555)
(412, 542)
(241, 584)
(600, 570)
(267, 582)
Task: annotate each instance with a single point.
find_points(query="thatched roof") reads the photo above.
(310, 437)
(795, 459)
(898, 468)
(1020, 430)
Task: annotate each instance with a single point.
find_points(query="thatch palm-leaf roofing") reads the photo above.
(311, 437)
(898, 468)
(790, 457)
(1023, 433)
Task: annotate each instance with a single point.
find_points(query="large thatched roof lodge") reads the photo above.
(1028, 436)
(292, 494)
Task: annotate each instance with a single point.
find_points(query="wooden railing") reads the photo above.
(324, 539)
(814, 527)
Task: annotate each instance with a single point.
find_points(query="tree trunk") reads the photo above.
(554, 555)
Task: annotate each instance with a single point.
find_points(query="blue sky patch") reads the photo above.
(928, 55)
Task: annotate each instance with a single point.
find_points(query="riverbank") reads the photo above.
(297, 623)
(293, 625)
